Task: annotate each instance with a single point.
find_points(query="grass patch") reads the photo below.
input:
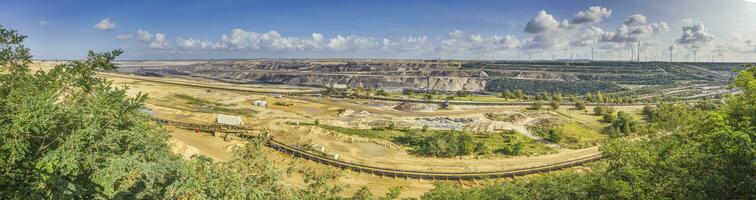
(451, 143)
(571, 129)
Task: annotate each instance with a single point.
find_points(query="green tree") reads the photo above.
(580, 105)
(600, 97)
(537, 105)
(554, 105)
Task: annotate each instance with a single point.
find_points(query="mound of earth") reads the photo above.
(408, 106)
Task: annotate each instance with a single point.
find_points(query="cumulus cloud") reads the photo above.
(156, 41)
(317, 37)
(505, 42)
(589, 36)
(144, 36)
(544, 22)
(458, 42)
(545, 41)
(124, 36)
(456, 34)
(632, 30)
(694, 34)
(272, 40)
(160, 42)
(636, 19)
(195, 44)
(594, 14)
(351, 42)
(43, 24)
(405, 44)
(105, 25)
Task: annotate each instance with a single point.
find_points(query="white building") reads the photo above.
(229, 120)
(261, 103)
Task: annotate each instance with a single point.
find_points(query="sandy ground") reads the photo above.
(187, 143)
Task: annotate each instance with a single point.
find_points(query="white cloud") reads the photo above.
(124, 36)
(351, 42)
(144, 36)
(456, 34)
(476, 38)
(194, 44)
(589, 36)
(272, 40)
(505, 42)
(545, 41)
(632, 30)
(544, 22)
(694, 34)
(156, 41)
(105, 25)
(594, 14)
(457, 43)
(412, 43)
(160, 42)
(636, 19)
(43, 24)
(317, 37)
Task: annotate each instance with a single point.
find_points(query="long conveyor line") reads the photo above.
(388, 172)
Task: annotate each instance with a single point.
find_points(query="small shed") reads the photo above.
(229, 120)
(261, 103)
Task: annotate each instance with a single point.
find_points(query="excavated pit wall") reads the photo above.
(389, 77)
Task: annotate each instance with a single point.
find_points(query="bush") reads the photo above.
(580, 105)
(381, 92)
(440, 144)
(609, 117)
(554, 135)
(537, 105)
(649, 112)
(482, 148)
(625, 123)
(601, 110)
(554, 105)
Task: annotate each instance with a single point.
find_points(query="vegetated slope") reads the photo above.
(684, 152)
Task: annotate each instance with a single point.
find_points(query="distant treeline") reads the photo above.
(540, 86)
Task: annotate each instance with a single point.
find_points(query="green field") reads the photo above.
(424, 143)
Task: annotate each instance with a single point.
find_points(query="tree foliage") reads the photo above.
(68, 134)
(688, 153)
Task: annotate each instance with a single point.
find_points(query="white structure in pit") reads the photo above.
(229, 120)
(261, 103)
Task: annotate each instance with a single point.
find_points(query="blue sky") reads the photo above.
(386, 29)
